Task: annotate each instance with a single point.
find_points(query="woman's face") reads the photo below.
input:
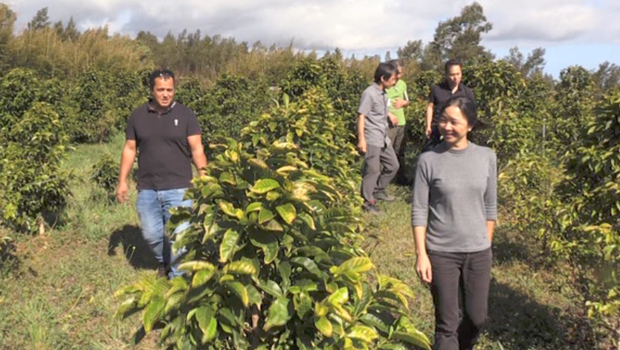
(454, 127)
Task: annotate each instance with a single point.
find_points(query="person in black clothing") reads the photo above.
(440, 94)
(168, 136)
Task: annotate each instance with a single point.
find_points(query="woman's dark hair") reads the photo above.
(467, 106)
(397, 63)
(160, 73)
(451, 63)
(385, 71)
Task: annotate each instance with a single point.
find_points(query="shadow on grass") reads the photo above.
(136, 250)
(9, 261)
(519, 323)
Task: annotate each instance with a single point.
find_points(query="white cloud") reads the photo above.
(351, 25)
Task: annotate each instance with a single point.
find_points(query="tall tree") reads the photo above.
(607, 76)
(533, 65)
(7, 20)
(40, 20)
(459, 37)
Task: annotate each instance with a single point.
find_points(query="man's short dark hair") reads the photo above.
(452, 63)
(160, 73)
(385, 71)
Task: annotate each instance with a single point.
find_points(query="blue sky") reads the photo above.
(573, 32)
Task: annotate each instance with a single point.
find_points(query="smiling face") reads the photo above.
(163, 92)
(453, 126)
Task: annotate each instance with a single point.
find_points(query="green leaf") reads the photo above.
(126, 307)
(254, 295)
(229, 178)
(303, 304)
(173, 302)
(309, 265)
(271, 288)
(152, 313)
(373, 320)
(324, 326)
(253, 207)
(196, 265)
(201, 277)
(267, 242)
(355, 265)
(418, 339)
(339, 297)
(265, 185)
(239, 289)
(307, 218)
(228, 208)
(278, 313)
(241, 267)
(287, 212)
(363, 333)
(274, 225)
(206, 322)
(229, 244)
(265, 215)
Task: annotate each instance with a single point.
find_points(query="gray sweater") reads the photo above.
(454, 195)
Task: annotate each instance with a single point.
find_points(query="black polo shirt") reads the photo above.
(441, 93)
(164, 158)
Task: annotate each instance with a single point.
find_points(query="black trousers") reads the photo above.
(432, 141)
(461, 277)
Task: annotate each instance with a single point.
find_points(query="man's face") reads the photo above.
(163, 92)
(390, 82)
(453, 75)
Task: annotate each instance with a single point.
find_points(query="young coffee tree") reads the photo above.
(272, 262)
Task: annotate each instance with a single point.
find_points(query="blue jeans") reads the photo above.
(154, 211)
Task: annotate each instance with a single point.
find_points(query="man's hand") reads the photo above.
(361, 146)
(423, 268)
(393, 119)
(429, 132)
(399, 103)
(122, 192)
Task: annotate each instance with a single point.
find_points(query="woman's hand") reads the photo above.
(423, 268)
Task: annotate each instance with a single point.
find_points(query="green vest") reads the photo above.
(397, 91)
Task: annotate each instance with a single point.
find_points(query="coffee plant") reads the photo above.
(272, 262)
(31, 183)
(321, 134)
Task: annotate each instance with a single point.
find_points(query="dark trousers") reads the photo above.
(432, 141)
(461, 277)
(380, 167)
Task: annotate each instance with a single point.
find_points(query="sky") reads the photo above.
(573, 32)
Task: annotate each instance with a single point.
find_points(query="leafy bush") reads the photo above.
(321, 134)
(272, 262)
(591, 241)
(105, 175)
(31, 184)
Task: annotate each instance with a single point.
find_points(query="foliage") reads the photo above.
(459, 38)
(105, 174)
(228, 106)
(27, 192)
(272, 263)
(321, 134)
(103, 102)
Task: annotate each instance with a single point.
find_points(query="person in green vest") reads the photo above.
(398, 100)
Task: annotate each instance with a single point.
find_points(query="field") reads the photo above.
(57, 289)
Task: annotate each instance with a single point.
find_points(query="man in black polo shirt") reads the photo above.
(168, 137)
(440, 93)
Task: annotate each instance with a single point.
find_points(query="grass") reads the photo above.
(57, 290)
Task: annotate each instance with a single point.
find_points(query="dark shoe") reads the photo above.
(371, 208)
(161, 270)
(382, 196)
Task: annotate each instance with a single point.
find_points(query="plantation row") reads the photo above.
(557, 149)
(275, 252)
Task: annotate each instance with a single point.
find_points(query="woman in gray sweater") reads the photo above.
(453, 217)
